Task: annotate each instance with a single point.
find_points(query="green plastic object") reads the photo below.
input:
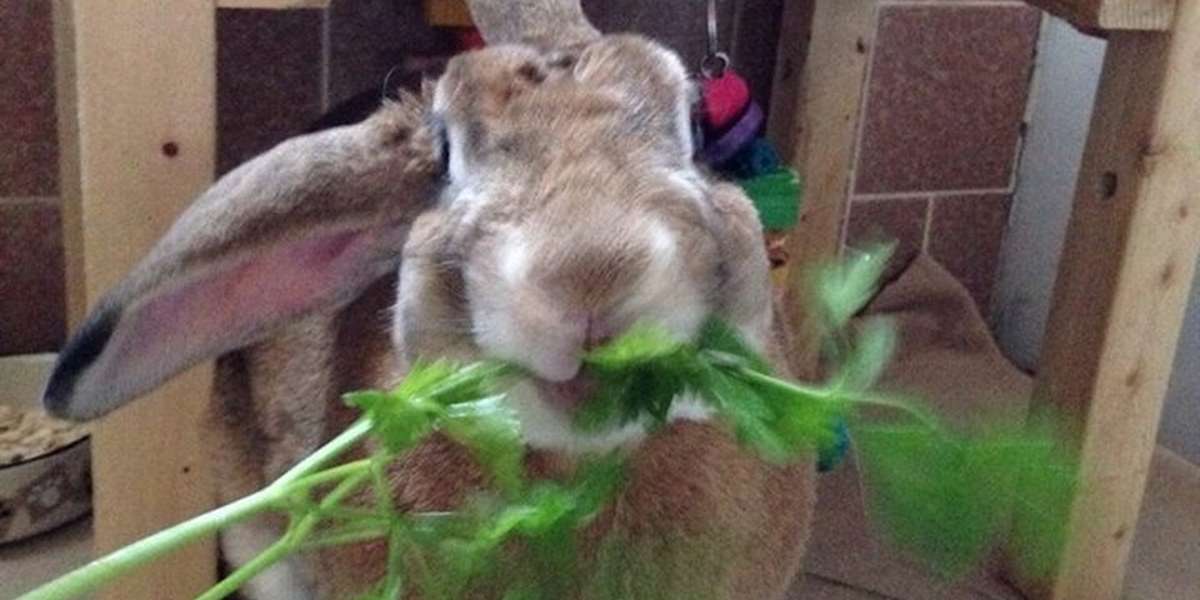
(777, 195)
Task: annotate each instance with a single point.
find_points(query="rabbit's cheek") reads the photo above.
(525, 337)
(666, 296)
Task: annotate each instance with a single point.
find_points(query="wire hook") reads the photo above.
(715, 62)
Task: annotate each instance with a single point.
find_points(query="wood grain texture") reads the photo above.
(791, 57)
(1093, 15)
(134, 78)
(826, 94)
(273, 4)
(1122, 291)
(448, 13)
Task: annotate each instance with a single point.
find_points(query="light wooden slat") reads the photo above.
(1149, 15)
(68, 164)
(791, 57)
(816, 133)
(448, 13)
(1122, 291)
(273, 4)
(134, 76)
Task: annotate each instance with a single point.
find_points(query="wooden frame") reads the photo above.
(145, 104)
(1130, 253)
(1112, 15)
(823, 80)
(137, 90)
(273, 4)
(1111, 339)
(137, 125)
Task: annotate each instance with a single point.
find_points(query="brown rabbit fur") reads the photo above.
(569, 209)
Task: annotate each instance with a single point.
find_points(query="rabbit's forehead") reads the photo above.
(626, 76)
(510, 106)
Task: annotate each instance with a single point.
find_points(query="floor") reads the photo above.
(1164, 565)
(25, 564)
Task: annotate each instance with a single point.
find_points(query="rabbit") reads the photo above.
(535, 201)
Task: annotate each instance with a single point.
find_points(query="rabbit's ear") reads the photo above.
(744, 296)
(549, 23)
(303, 228)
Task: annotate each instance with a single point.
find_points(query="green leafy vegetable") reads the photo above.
(488, 428)
(943, 495)
(947, 497)
(407, 414)
(864, 364)
(843, 289)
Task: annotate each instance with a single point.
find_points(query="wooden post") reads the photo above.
(1096, 15)
(448, 13)
(273, 4)
(137, 90)
(814, 119)
(1122, 290)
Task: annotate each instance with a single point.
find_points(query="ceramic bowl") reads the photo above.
(45, 491)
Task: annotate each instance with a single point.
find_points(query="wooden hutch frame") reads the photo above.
(137, 96)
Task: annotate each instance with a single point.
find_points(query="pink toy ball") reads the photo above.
(725, 99)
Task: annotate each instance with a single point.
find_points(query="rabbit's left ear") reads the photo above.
(550, 23)
(303, 228)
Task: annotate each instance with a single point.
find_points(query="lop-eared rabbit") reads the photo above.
(540, 198)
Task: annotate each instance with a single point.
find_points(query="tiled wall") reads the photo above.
(940, 131)
(279, 70)
(945, 102)
(32, 303)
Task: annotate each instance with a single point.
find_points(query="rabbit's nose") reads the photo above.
(597, 332)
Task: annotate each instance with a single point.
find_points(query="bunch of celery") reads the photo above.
(940, 494)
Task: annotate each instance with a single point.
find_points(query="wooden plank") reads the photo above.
(273, 4)
(791, 56)
(448, 13)
(137, 89)
(1122, 291)
(817, 134)
(67, 103)
(1093, 15)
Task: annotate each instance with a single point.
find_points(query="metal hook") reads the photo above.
(715, 62)
(713, 45)
(713, 66)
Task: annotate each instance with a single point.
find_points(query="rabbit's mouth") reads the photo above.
(568, 395)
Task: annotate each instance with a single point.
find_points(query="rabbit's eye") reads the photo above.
(441, 144)
(562, 60)
(531, 73)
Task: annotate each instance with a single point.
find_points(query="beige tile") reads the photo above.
(32, 305)
(367, 38)
(268, 79)
(965, 235)
(26, 564)
(1165, 561)
(898, 220)
(28, 138)
(679, 24)
(946, 97)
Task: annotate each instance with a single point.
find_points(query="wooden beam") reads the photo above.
(448, 13)
(273, 4)
(1122, 290)
(137, 121)
(814, 120)
(1099, 15)
(787, 103)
